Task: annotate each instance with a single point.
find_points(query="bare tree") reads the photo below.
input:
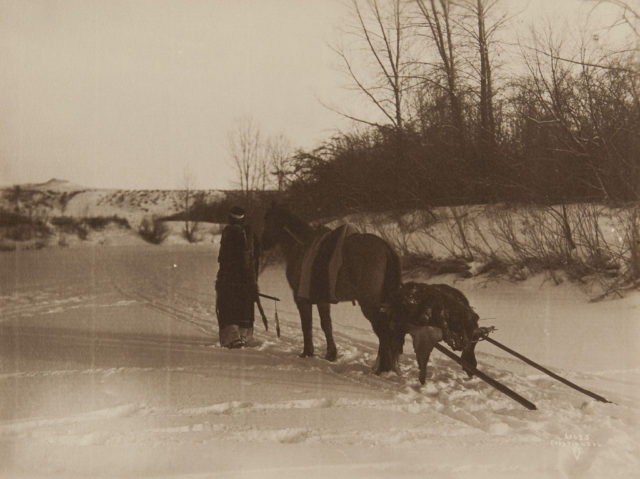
(483, 37)
(628, 14)
(382, 30)
(487, 120)
(380, 67)
(280, 160)
(247, 151)
(437, 20)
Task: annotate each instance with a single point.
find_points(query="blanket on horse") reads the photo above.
(321, 264)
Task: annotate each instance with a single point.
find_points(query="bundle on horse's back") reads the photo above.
(436, 305)
(431, 313)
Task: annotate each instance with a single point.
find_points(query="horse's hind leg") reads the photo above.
(325, 321)
(306, 321)
(389, 342)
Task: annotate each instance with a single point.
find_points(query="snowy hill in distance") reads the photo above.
(54, 184)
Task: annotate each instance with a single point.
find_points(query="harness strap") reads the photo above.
(291, 233)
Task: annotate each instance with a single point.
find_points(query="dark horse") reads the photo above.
(370, 274)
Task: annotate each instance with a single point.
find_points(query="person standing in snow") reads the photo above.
(236, 283)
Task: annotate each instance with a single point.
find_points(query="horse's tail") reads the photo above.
(393, 274)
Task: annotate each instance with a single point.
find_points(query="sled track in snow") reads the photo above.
(28, 303)
(198, 319)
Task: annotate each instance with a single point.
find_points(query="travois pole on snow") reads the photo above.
(276, 313)
(262, 315)
(268, 297)
(489, 380)
(595, 396)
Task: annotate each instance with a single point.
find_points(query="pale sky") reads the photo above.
(127, 93)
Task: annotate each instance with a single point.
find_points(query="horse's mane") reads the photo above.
(297, 225)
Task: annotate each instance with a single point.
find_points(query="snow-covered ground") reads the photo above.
(109, 367)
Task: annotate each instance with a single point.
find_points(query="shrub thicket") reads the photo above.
(81, 226)
(18, 227)
(153, 230)
(578, 141)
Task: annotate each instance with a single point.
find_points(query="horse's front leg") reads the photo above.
(306, 321)
(469, 357)
(325, 321)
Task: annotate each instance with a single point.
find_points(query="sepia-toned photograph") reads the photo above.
(320, 239)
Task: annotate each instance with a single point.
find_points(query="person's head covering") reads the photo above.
(236, 215)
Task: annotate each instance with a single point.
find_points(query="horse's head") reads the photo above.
(274, 222)
(281, 226)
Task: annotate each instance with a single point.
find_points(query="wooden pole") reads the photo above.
(489, 380)
(546, 371)
(268, 297)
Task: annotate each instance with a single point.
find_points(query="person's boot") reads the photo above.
(230, 336)
(237, 344)
(246, 334)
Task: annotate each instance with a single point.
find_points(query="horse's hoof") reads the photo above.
(468, 370)
(306, 354)
(378, 371)
(331, 356)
